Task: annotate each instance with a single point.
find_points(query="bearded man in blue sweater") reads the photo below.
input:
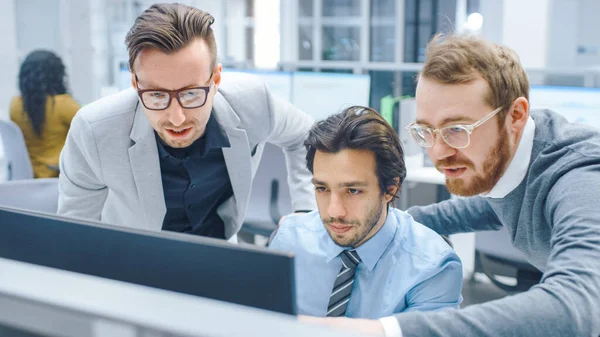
(533, 173)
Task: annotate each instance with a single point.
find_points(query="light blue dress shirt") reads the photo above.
(405, 267)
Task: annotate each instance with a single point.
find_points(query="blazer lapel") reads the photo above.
(143, 156)
(237, 156)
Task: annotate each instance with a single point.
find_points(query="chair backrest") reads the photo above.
(15, 151)
(498, 257)
(497, 244)
(272, 167)
(39, 195)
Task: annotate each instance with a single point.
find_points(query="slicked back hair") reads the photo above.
(170, 28)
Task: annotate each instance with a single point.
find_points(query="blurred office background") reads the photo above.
(368, 51)
(557, 40)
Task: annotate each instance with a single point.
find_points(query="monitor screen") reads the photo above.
(576, 104)
(182, 263)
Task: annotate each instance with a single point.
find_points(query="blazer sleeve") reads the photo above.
(82, 192)
(288, 129)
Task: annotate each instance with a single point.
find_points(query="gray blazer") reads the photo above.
(110, 169)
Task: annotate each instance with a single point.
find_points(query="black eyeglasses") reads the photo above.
(188, 98)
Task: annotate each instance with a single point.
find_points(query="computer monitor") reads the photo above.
(576, 104)
(76, 305)
(182, 263)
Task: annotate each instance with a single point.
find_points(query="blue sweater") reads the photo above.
(553, 217)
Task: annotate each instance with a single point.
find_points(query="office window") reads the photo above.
(423, 18)
(383, 9)
(341, 7)
(341, 43)
(383, 31)
(337, 71)
(305, 8)
(383, 44)
(305, 42)
(382, 84)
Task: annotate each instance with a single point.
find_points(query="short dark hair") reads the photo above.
(360, 128)
(170, 28)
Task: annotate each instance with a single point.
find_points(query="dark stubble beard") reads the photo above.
(163, 134)
(364, 228)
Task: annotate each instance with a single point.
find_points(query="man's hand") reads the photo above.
(368, 327)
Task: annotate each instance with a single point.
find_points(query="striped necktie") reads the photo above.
(340, 295)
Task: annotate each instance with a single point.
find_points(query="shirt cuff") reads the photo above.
(391, 326)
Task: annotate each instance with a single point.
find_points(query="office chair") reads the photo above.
(31, 194)
(266, 227)
(269, 197)
(496, 256)
(15, 151)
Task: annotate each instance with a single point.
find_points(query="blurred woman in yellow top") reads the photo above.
(44, 110)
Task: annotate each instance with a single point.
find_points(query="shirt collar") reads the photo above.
(371, 251)
(213, 138)
(517, 169)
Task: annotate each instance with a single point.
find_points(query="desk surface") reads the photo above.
(422, 174)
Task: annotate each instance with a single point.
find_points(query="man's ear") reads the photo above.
(217, 75)
(518, 115)
(133, 84)
(392, 190)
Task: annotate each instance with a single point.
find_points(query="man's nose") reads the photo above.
(336, 208)
(176, 113)
(440, 150)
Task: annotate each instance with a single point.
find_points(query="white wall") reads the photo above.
(562, 33)
(266, 34)
(236, 41)
(288, 30)
(37, 26)
(546, 33)
(493, 20)
(216, 8)
(524, 29)
(9, 66)
(85, 39)
(74, 29)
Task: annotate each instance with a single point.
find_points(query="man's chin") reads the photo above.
(457, 187)
(461, 188)
(345, 241)
(178, 142)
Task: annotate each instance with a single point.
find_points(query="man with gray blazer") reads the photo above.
(179, 150)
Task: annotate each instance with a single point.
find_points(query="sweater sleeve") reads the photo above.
(459, 215)
(566, 302)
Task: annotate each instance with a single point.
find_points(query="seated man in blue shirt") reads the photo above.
(358, 256)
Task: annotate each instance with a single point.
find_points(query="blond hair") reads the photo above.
(458, 58)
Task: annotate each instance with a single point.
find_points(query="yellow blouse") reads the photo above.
(44, 151)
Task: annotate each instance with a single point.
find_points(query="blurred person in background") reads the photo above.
(44, 110)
